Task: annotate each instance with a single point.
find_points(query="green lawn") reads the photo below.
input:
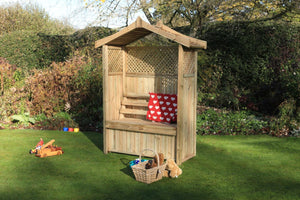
(226, 167)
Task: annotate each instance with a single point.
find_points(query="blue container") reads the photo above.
(134, 162)
(66, 129)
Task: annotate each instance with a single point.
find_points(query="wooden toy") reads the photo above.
(131, 73)
(48, 150)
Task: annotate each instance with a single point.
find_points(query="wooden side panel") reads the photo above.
(113, 92)
(189, 122)
(134, 142)
(113, 96)
(187, 102)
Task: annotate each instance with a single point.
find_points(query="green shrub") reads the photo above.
(34, 50)
(29, 39)
(14, 102)
(52, 88)
(220, 122)
(29, 50)
(287, 123)
(6, 74)
(56, 122)
(23, 119)
(295, 133)
(67, 92)
(88, 113)
(258, 62)
(82, 42)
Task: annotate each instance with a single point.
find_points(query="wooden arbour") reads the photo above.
(131, 73)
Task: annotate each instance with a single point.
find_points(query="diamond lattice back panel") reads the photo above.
(169, 84)
(189, 62)
(152, 60)
(115, 60)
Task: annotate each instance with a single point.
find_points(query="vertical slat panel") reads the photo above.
(136, 142)
(158, 143)
(187, 101)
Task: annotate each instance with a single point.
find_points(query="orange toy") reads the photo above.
(48, 150)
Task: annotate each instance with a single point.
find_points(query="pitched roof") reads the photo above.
(140, 29)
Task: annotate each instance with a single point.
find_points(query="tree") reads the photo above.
(30, 17)
(114, 11)
(196, 13)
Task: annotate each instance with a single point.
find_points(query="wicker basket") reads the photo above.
(148, 175)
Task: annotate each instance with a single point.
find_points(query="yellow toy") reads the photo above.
(47, 150)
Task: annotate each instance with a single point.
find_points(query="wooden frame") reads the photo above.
(130, 73)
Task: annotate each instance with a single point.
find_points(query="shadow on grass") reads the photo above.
(289, 147)
(96, 138)
(126, 170)
(246, 174)
(53, 179)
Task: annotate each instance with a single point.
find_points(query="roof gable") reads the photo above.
(140, 29)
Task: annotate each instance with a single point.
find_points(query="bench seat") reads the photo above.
(140, 125)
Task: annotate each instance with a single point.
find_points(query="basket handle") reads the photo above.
(140, 158)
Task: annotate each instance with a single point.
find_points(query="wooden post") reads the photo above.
(105, 103)
(180, 107)
(195, 104)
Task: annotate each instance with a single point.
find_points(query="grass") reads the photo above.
(226, 167)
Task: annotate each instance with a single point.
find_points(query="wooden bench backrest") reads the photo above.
(134, 106)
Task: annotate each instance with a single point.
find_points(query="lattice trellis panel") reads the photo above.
(115, 61)
(189, 62)
(169, 84)
(152, 60)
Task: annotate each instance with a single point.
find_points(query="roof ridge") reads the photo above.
(140, 28)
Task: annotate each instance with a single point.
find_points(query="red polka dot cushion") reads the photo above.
(162, 107)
